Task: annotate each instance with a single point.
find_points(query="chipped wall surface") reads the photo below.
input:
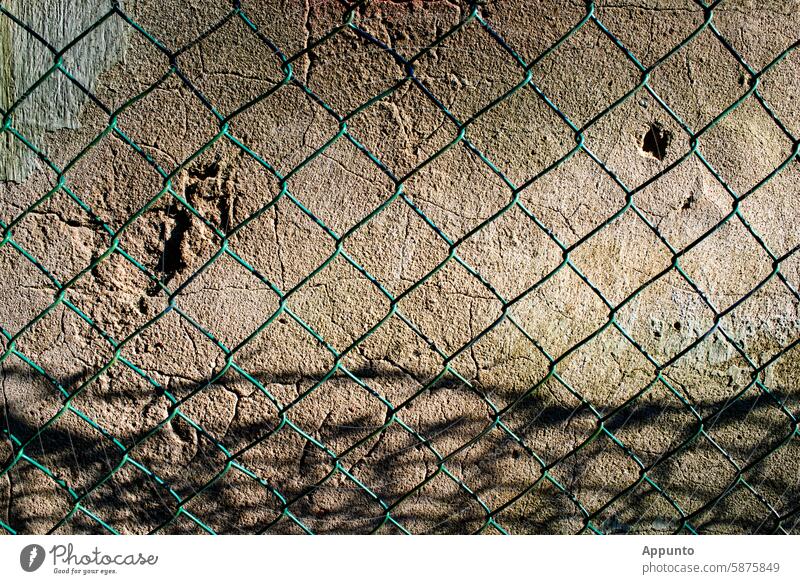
(426, 266)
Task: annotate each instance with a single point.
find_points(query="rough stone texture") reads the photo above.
(442, 368)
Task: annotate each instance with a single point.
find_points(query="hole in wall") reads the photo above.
(655, 141)
(203, 172)
(172, 261)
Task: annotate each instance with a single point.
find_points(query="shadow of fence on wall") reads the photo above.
(542, 467)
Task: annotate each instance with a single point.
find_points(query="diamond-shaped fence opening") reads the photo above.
(399, 267)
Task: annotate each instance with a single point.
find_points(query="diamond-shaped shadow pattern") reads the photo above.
(337, 277)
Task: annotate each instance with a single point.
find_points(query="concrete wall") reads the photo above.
(495, 393)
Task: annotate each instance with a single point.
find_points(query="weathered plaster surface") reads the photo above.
(457, 191)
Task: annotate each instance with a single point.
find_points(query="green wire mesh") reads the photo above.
(231, 460)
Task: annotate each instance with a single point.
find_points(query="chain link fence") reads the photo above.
(569, 437)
